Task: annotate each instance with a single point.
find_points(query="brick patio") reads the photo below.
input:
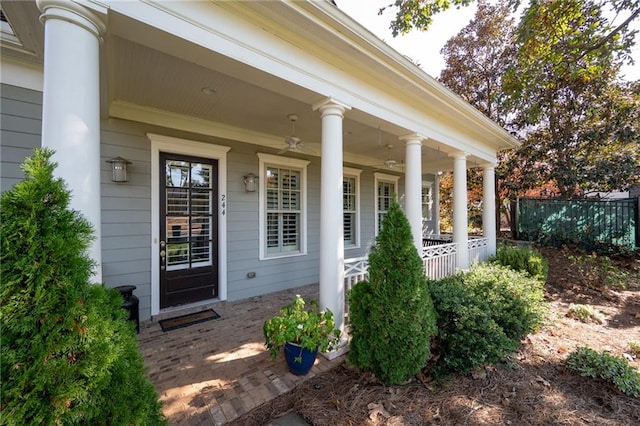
(212, 373)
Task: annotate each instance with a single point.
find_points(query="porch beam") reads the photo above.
(71, 106)
(489, 207)
(460, 217)
(413, 186)
(331, 210)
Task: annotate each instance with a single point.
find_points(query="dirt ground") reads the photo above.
(533, 388)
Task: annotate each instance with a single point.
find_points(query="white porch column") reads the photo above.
(413, 186)
(489, 207)
(460, 217)
(71, 106)
(436, 203)
(331, 210)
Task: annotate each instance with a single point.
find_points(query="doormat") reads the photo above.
(187, 320)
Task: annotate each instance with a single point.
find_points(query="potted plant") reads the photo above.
(302, 332)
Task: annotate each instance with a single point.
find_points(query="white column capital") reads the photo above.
(488, 165)
(330, 106)
(459, 154)
(74, 13)
(413, 138)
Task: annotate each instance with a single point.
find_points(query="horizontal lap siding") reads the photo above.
(243, 230)
(21, 117)
(126, 211)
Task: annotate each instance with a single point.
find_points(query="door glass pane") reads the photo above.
(177, 255)
(177, 173)
(200, 175)
(177, 201)
(200, 202)
(177, 228)
(189, 210)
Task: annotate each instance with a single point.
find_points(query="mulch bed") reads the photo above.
(533, 388)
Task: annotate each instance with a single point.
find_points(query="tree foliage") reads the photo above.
(478, 56)
(68, 354)
(554, 82)
(476, 59)
(418, 14)
(578, 121)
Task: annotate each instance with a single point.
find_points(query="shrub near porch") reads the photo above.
(68, 354)
(483, 314)
(391, 314)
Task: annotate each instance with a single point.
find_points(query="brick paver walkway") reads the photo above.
(212, 373)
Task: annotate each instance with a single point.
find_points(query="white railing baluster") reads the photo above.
(355, 270)
(478, 250)
(439, 260)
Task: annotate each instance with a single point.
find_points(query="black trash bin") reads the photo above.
(131, 303)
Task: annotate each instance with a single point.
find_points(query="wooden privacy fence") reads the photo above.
(588, 222)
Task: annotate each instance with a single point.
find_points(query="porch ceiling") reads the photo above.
(149, 69)
(141, 76)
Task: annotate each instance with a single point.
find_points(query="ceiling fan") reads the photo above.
(390, 164)
(294, 143)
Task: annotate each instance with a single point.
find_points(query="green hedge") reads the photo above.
(527, 260)
(483, 314)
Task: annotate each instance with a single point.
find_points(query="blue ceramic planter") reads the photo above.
(299, 359)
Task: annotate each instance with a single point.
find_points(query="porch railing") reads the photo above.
(439, 260)
(478, 250)
(355, 270)
(438, 255)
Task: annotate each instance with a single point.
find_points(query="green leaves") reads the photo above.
(602, 365)
(563, 87)
(483, 314)
(310, 328)
(410, 14)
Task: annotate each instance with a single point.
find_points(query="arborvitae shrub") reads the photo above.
(483, 314)
(527, 260)
(68, 354)
(391, 314)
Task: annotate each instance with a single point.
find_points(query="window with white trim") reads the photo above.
(351, 207)
(386, 192)
(282, 206)
(427, 200)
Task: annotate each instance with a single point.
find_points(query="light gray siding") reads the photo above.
(21, 123)
(126, 207)
(126, 211)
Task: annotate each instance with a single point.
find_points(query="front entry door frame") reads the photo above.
(161, 143)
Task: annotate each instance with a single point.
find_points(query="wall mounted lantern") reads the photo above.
(119, 166)
(250, 182)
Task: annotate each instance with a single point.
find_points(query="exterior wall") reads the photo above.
(21, 115)
(126, 207)
(126, 211)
